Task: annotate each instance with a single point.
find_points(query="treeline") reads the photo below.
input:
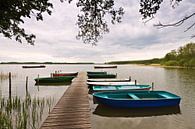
(146, 62)
(45, 63)
(184, 56)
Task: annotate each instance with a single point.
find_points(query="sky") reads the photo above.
(130, 40)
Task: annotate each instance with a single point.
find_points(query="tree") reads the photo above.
(150, 7)
(12, 13)
(91, 22)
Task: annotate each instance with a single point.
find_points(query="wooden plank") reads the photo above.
(72, 110)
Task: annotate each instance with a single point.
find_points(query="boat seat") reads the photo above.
(133, 96)
(165, 96)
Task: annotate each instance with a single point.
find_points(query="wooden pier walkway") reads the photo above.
(72, 111)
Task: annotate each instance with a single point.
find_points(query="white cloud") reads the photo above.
(130, 40)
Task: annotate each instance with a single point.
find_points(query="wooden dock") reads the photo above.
(72, 111)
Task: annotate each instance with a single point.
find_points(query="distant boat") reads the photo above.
(135, 99)
(101, 75)
(110, 83)
(120, 88)
(96, 72)
(109, 80)
(105, 66)
(62, 79)
(34, 66)
(65, 74)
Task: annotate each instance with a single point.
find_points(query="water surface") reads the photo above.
(177, 81)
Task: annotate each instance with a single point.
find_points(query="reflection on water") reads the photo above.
(105, 111)
(177, 81)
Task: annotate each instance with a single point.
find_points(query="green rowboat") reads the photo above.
(61, 79)
(101, 75)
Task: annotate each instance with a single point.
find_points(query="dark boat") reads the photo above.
(61, 79)
(65, 74)
(101, 75)
(34, 66)
(105, 66)
(135, 99)
(96, 72)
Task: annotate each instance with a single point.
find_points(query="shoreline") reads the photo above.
(164, 66)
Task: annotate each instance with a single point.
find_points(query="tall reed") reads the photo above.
(27, 113)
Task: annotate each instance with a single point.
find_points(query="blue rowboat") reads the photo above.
(135, 99)
(120, 88)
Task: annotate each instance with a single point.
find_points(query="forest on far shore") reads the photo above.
(184, 56)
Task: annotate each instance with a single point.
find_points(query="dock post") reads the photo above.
(26, 85)
(152, 86)
(10, 88)
(38, 82)
(135, 82)
(129, 78)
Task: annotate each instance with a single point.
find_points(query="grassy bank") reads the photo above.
(183, 57)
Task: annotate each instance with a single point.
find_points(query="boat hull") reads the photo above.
(101, 76)
(120, 88)
(96, 72)
(105, 67)
(54, 79)
(110, 83)
(64, 74)
(39, 66)
(108, 80)
(138, 103)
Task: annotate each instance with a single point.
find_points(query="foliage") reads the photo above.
(146, 62)
(171, 63)
(91, 22)
(150, 7)
(12, 13)
(184, 56)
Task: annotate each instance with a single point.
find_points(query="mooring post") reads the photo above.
(152, 86)
(129, 78)
(38, 82)
(38, 79)
(26, 85)
(135, 82)
(10, 88)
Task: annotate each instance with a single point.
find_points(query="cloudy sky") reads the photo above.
(129, 40)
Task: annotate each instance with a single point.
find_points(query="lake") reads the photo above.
(177, 81)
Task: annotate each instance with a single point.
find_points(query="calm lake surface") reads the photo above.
(177, 81)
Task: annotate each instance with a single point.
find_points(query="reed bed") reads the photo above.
(5, 76)
(26, 113)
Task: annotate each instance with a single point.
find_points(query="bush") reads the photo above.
(191, 63)
(171, 63)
